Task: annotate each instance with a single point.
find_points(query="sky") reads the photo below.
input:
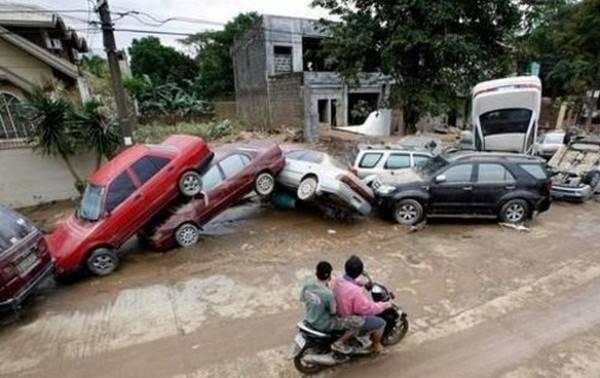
(218, 11)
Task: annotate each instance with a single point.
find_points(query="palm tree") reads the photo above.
(49, 113)
(95, 130)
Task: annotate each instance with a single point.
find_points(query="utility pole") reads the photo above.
(110, 47)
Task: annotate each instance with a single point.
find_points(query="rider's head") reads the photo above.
(354, 267)
(324, 271)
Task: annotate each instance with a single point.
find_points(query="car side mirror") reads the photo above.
(440, 178)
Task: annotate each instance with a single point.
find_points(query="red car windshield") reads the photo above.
(91, 203)
(13, 229)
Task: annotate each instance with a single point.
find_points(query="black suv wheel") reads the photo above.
(514, 211)
(408, 212)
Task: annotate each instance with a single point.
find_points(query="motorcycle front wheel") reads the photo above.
(397, 333)
(304, 367)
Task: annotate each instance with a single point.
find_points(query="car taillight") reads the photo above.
(549, 186)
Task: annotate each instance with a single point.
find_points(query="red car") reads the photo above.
(233, 173)
(122, 196)
(24, 259)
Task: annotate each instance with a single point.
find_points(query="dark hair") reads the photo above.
(354, 266)
(324, 270)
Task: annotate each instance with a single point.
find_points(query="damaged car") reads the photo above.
(511, 187)
(234, 172)
(122, 196)
(314, 175)
(576, 170)
(24, 259)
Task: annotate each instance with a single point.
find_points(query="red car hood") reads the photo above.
(69, 236)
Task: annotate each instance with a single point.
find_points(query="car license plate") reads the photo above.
(300, 340)
(25, 265)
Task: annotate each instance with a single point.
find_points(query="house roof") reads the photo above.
(31, 48)
(29, 16)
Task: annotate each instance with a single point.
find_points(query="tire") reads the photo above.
(408, 212)
(190, 183)
(103, 261)
(187, 235)
(514, 211)
(303, 367)
(264, 184)
(397, 334)
(307, 188)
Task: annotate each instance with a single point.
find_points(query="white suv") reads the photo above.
(386, 160)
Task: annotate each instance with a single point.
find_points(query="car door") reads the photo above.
(149, 171)
(239, 175)
(492, 183)
(124, 209)
(395, 163)
(451, 190)
(214, 190)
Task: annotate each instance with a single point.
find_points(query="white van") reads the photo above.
(505, 114)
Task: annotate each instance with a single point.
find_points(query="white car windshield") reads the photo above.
(91, 203)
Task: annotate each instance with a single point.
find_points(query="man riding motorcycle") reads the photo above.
(320, 306)
(351, 299)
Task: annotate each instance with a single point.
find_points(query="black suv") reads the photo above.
(508, 186)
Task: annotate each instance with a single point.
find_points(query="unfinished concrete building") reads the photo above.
(282, 80)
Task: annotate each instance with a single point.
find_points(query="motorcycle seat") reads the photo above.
(304, 326)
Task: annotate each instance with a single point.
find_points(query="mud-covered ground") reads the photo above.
(483, 300)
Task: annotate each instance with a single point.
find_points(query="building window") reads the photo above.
(283, 59)
(12, 123)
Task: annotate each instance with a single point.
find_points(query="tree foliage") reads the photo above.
(212, 49)
(434, 50)
(567, 43)
(161, 63)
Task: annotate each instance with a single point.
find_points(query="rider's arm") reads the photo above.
(362, 305)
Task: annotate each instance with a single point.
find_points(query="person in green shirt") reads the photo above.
(319, 304)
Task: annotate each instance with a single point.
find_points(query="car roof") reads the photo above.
(392, 147)
(122, 161)
(491, 156)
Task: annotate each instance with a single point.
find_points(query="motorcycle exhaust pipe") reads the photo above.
(320, 359)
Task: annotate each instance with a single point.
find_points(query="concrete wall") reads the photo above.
(23, 64)
(286, 105)
(250, 79)
(287, 31)
(28, 179)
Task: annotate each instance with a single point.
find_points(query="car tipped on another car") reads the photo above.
(24, 259)
(317, 176)
(122, 196)
(234, 172)
(511, 187)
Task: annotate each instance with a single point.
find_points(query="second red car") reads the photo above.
(233, 173)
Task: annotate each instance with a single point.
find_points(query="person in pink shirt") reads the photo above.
(351, 299)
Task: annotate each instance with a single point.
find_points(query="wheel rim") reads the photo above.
(407, 213)
(307, 188)
(265, 184)
(191, 184)
(187, 235)
(103, 263)
(515, 212)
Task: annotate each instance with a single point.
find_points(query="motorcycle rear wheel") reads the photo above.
(397, 333)
(305, 368)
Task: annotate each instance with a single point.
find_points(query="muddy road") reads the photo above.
(483, 301)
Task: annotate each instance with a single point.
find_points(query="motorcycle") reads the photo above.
(311, 349)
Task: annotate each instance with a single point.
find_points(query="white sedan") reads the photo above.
(314, 174)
